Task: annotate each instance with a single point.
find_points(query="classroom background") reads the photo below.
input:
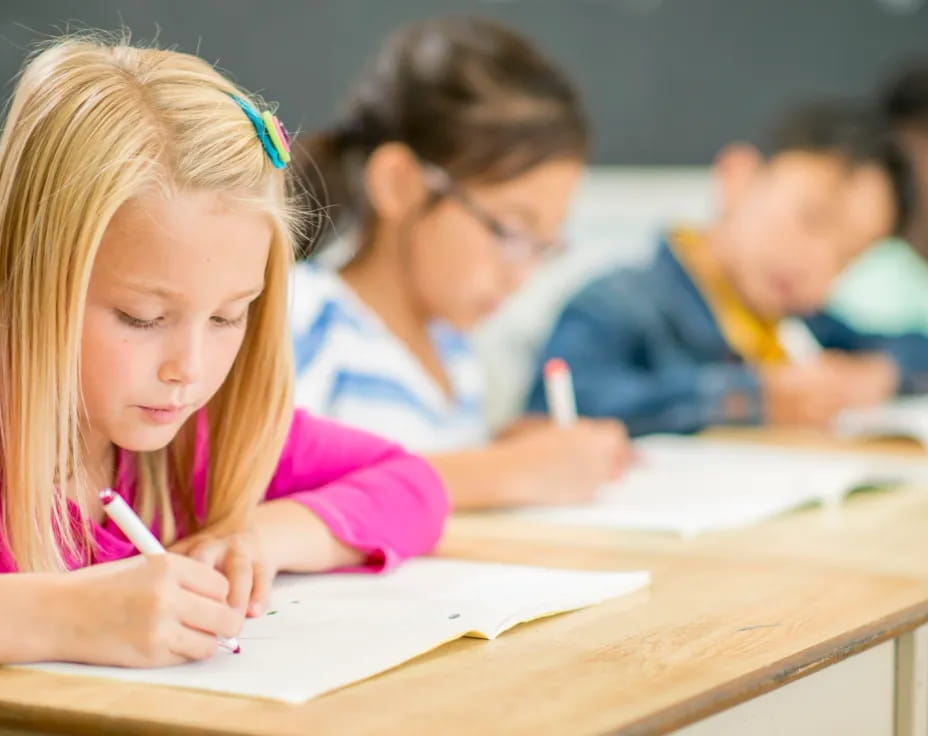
(813, 623)
(666, 82)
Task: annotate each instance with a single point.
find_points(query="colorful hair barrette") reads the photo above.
(271, 132)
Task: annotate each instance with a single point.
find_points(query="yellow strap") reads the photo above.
(750, 336)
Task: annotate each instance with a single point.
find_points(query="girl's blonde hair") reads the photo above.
(94, 122)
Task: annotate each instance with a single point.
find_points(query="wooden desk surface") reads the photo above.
(710, 633)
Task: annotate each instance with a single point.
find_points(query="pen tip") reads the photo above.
(555, 366)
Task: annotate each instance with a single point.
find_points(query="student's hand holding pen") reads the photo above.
(144, 611)
(568, 464)
(583, 453)
(561, 459)
(800, 394)
(812, 393)
(864, 379)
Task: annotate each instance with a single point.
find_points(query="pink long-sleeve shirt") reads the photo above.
(371, 494)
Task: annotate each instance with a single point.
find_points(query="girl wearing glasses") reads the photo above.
(449, 178)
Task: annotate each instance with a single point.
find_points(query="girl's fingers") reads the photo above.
(208, 616)
(201, 578)
(261, 589)
(238, 567)
(191, 645)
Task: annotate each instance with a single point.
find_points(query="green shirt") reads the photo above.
(884, 291)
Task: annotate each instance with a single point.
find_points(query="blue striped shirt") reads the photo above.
(352, 368)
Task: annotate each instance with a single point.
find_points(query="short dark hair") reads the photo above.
(904, 99)
(855, 132)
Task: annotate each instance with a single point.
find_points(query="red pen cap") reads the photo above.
(555, 366)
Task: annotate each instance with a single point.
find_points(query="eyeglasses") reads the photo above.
(517, 246)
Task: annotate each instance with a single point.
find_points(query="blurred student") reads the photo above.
(456, 162)
(699, 337)
(886, 289)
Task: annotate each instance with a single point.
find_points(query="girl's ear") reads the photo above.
(394, 182)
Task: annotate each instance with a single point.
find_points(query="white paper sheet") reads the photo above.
(906, 417)
(331, 630)
(690, 485)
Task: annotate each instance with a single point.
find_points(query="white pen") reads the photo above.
(798, 341)
(559, 391)
(140, 535)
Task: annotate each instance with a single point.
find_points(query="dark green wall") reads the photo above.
(667, 81)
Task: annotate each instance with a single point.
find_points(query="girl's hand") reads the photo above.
(567, 465)
(145, 611)
(241, 557)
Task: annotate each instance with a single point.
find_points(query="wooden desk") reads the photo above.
(879, 532)
(711, 633)
(803, 624)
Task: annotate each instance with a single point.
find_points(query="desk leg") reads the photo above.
(912, 683)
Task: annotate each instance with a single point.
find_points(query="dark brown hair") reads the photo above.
(855, 132)
(904, 101)
(466, 94)
(905, 96)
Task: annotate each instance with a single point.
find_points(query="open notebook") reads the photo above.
(905, 417)
(687, 485)
(325, 631)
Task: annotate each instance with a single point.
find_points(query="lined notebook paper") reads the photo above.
(688, 485)
(905, 417)
(326, 631)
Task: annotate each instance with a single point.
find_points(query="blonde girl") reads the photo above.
(145, 240)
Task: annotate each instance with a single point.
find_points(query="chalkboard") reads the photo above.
(667, 81)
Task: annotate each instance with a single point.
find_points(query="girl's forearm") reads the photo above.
(296, 540)
(35, 617)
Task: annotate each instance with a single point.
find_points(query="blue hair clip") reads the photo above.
(271, 132)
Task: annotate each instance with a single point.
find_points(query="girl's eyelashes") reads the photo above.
(234, 322)
(147, 324)
(141, 324)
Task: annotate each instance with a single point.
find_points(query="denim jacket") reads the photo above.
(645, 348)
